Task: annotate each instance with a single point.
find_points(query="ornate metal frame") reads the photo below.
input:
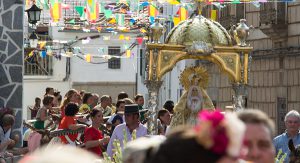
(233, 60)
(163, 57)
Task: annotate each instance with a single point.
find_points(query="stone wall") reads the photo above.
(274, 85)
(11, 58)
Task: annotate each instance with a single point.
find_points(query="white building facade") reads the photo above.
(96, 76)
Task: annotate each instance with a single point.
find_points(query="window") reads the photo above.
(38, 66)
(114, 63)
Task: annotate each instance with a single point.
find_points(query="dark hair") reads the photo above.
(86, 96)
(59, 98)
(169, 105)
(122, 95)
(94, 112)
(7, 120)
(48, 99)
(48, 89)
(82, 92)
(71, 109)
(254, 116)
(37, 99)
(161, 112)
(136, 97)
(3, 113)
(104, 97)
(173, 150)
(119, 102)
(56, 93)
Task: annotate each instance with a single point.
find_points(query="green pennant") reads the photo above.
(236, 1)
(46, 5)
(101, 7)
(72, 21)
(80, 10)
(52, 2)
(107, 13)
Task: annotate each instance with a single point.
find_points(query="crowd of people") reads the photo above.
(221, 137)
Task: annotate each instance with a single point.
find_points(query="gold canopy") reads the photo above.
(198, 29)
(203, 39)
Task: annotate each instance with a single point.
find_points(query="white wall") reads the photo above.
(170, 89)
(81, 71)
(100, 72)
(34, 86)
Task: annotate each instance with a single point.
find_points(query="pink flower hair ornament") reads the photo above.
(221, 133)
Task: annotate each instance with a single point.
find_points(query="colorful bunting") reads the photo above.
(176, 20)
(92, 10)
(42, 44)
(182, 13)
(43, 54)
(128, 53)
(80, 10)
(174, 2)
(107, 13)
(152, 10)
(55, 10)
(213, 15)
(120, 19)
(121, 37)
(88, 58)
(139, 40)
(151, 19)
(72, 21)
(30, 54)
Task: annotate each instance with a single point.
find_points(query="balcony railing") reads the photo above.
(268, 17)
(273, 21)
(38, 66)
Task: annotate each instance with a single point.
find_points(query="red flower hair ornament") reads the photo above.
(222, 134)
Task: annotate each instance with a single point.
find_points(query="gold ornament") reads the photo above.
(194, 75)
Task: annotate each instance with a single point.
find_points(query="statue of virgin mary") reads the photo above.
(194, 99)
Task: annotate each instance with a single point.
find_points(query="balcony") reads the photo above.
(228, 21)
(273, 22)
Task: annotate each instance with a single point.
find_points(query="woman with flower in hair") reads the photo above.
(217, 138)
(70, 96)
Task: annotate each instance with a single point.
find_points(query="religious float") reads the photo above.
(201, 39)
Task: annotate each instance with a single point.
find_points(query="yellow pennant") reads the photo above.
(176, 20)
(128, 53)
(127, 38)
(143, 30)
(122, 37)
(174, 2)
(30, 54)
(88, 58)
(42, 44)
(213, 15)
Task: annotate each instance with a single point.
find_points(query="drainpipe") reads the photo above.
(68, 69)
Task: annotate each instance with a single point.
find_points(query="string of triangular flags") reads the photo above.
(91, 10)
(44, 50)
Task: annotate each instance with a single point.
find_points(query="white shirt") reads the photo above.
(4, 137)
(119, 135)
